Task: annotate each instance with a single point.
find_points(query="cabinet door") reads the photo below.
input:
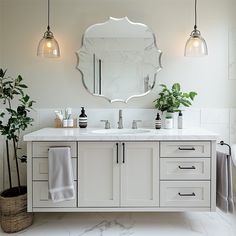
(98, 174)
(140, 174)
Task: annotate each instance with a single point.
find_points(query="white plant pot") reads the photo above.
(70, 123)
(169, 123)
(65, 123)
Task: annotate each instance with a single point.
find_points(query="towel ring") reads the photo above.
(223, 143)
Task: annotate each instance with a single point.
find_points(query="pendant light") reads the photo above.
(196, 45)
(48, 46)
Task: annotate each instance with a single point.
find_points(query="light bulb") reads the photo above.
(49, 44)
(196, 43)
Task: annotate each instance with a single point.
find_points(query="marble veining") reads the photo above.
(131, 224)
(104, 226)
(76, 134)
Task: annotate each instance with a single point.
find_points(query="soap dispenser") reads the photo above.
(180, 120)
(158, 121)
(83, 120)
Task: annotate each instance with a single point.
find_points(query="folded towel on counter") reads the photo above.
(224, 183)
(60, 174)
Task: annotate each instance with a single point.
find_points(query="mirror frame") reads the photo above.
(133, 96)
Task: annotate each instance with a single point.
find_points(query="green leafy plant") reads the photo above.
(170, 100)
(14, 120)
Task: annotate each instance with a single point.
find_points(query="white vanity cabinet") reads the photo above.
(118, 174)
(158, 170)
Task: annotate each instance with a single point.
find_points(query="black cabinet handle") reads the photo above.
(123, 144)
(187, 168)
(117, 153)
(187, 149)
(187, 194)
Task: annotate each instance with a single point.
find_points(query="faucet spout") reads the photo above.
(120, 122)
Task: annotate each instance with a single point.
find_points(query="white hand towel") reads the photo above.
(60, 174)
(233, 154)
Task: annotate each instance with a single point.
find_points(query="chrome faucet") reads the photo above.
(120, 122)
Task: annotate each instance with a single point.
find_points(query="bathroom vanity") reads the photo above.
(127, 170)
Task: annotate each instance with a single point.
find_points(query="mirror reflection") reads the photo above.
(119, 59)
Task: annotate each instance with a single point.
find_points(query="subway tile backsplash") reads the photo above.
(221, 121)
(215, 116)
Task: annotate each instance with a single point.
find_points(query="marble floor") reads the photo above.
(131, 224)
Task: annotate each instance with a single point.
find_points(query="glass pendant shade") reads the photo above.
(196, 45)
(48, 46)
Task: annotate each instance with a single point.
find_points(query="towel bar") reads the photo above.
(223, 143)
(58, 147)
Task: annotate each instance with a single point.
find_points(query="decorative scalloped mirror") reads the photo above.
(119, 60)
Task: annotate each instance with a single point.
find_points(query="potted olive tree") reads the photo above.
(14, 118)
(171, 100)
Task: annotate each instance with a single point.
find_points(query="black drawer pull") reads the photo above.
(187, 149)
(187, 168)
(117, 153)
(187, 194)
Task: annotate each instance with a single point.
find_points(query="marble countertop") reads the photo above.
(88, 134)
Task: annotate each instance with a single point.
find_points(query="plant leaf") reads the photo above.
(192, 95)
(176, 87)
(23, 86)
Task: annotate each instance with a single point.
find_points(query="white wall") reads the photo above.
(56, 83)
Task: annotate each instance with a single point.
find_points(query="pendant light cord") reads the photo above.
(48, 15)
(195, 25)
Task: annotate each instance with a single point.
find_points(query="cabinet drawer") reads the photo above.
(185, 194)
(185, 149)
(40, 168)
(40, 149)
(40, 196)
(185, 168)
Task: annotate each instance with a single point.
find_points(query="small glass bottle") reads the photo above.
(83, 120)
(158, 121)
(180, 120)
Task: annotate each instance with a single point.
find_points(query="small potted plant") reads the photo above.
(14, 119)
(170, 101)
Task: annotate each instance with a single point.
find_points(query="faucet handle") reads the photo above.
(107, 124)
(134, 124)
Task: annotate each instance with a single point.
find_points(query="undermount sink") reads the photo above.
(121, 131)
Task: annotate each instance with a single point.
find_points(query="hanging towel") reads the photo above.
(233, 153)
(224, 183)
(60, 174)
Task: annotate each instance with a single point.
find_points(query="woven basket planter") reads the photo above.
(14, 215)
